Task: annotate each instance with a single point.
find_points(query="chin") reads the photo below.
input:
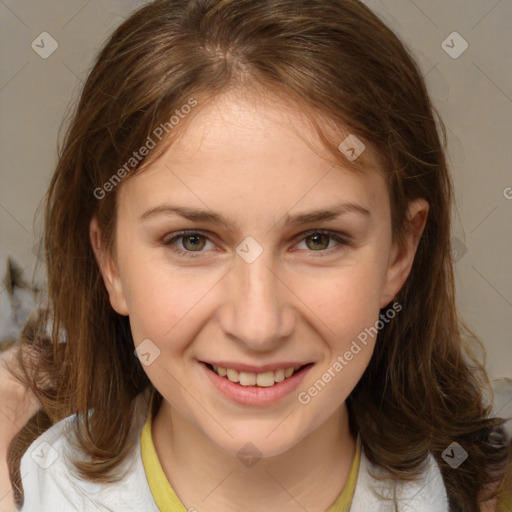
(258, 441)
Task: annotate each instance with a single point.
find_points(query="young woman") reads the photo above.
(248, 250)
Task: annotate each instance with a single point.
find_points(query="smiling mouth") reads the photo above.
(264, 379)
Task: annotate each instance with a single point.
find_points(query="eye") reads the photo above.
(190, 244)
(319, 241)
(191, 241)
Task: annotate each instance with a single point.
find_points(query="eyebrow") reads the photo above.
(197, 215)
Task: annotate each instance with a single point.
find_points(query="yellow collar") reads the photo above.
(167, 500)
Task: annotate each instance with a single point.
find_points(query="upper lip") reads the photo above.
(271, 367)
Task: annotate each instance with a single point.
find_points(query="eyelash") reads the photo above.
(338, 237)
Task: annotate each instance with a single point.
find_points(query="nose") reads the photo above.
(258, 311)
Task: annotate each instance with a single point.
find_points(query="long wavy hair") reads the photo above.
(343, 67)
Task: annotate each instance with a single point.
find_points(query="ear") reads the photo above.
(402, 255)
(108, 269)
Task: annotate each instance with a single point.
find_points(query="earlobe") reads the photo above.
(108, 269)
(402, 257)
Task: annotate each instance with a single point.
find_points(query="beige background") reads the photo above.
(473, 93)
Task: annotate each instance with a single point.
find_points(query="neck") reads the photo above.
(309, 476)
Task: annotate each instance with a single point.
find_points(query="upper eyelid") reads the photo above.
(172, 237)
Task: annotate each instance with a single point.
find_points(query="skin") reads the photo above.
(252, 161)
(17, 406)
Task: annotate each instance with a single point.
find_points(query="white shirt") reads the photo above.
(50, 484)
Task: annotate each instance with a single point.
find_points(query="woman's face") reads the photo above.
(264, 281)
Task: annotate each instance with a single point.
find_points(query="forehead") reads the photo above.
(259, 148)
(259, 122)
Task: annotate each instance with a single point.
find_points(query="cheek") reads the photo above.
(347, 311)
(162, 300)
(346, 300)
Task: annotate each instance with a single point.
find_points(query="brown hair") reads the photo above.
(422, 389)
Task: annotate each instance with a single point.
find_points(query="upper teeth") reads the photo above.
(265, 379)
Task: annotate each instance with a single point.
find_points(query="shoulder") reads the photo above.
(50, 482)
(428, 494)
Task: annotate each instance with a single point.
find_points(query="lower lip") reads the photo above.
(256, 395)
